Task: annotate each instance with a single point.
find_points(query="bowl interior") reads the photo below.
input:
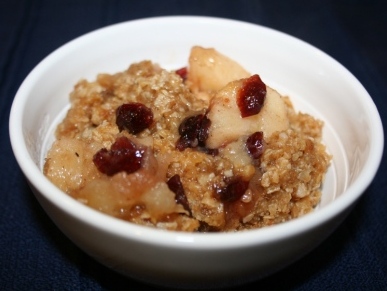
(315, 83)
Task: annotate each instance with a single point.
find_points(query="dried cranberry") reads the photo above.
(123, 155)
(182, 72)
(211, 152)
(205, 227)
(251, 96)
(134, 117)
(175, 185)
(190, 126)
(204, 127)
(254, 144)
(193, 132)
(233, 191)
(183, 144)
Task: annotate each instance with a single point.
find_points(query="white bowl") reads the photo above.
(316, 83)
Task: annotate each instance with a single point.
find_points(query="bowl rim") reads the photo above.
(182, 239)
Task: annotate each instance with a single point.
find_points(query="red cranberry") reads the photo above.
(233, 191)
(204, 127)
(123, 155)
(175, 185)
(251, 96)
(211, 152)
(193, 132)
(134, 117)
(182, 72)
(254, 144)
(205, 227)
(190, 126)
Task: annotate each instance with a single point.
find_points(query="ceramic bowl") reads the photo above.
(316, 83)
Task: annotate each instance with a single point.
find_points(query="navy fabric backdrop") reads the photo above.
(35, 255)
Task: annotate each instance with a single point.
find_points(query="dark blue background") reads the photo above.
(35, 255)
